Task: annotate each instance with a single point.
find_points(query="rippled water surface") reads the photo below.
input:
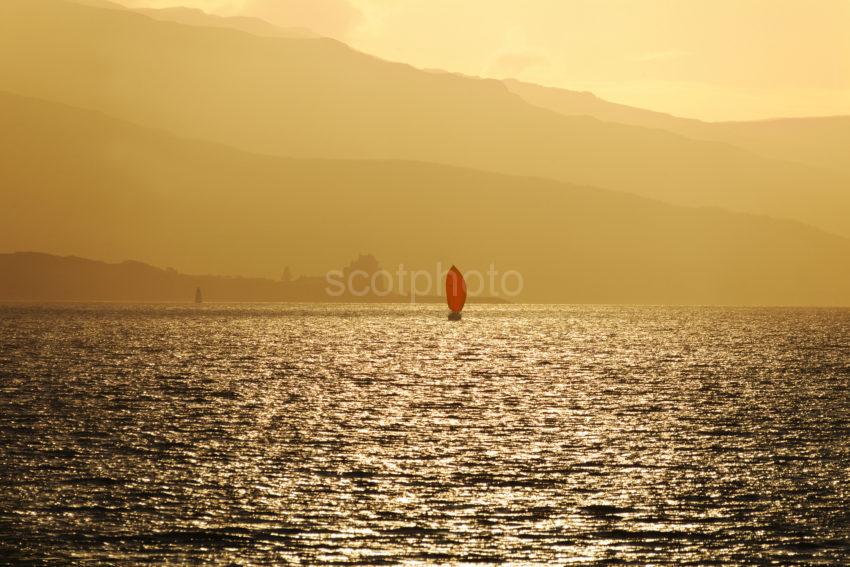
(381, 434)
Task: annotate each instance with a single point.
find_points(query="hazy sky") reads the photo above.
(711, 59)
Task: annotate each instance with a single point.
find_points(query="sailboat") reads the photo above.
(198, 297)
(455, 293)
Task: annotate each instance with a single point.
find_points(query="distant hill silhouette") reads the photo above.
(30, 276)
(819, 141)
(317, 98)
(77, 182)
(44, 277)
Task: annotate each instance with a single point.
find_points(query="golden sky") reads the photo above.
(710, 59)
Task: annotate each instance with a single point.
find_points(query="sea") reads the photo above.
(270, 434)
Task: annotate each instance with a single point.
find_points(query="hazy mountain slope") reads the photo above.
(192, 17)
(820, 142)
(111, 190)
(318, 98)
(576, 103)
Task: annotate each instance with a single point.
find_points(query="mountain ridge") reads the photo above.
(113, 190)
(320, 98)
(817, 141)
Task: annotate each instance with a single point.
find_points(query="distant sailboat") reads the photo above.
(198, 297)
(455, 293)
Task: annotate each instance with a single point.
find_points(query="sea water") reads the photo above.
(267, 434)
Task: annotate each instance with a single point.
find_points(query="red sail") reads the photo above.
(455, 290)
